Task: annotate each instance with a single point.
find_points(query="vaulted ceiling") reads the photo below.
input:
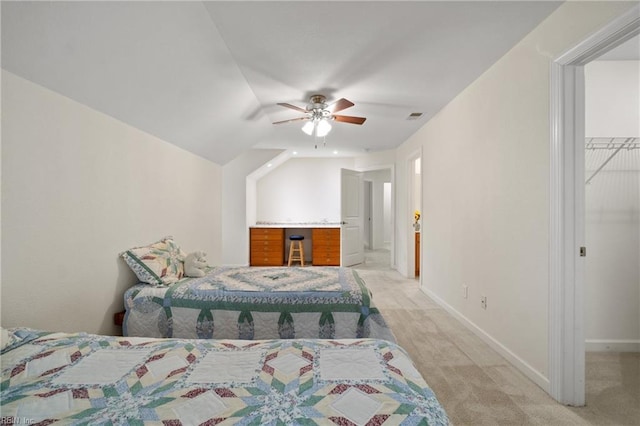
(206, 76)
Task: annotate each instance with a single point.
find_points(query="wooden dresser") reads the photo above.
(325, 244)
(267, 246)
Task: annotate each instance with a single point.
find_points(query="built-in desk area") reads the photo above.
(270, 241)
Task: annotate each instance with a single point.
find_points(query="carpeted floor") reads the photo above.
(475, 384)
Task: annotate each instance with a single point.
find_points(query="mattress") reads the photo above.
(257, 303)
(80, 379)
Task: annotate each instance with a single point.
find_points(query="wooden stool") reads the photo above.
(296, 249)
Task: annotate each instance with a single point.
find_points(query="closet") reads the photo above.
(612, 205)
(612, 201)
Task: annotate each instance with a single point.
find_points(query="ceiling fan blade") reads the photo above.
(297, 108)
(340, 104)
(349, 119)
(293, 119)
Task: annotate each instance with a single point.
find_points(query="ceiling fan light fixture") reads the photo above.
(318, 115)
(323, 128)
(308, 127)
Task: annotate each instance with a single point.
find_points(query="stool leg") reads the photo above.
(291, 252)
(301, 253)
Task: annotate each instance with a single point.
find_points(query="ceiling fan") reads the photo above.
(318, 114)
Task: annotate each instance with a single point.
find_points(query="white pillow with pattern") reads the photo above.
(160, 263)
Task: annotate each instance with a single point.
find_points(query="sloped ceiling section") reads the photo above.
(206, 76)
(159, 66)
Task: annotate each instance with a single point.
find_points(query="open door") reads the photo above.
(351, 243)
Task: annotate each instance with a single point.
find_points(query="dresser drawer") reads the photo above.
(259, 234)
(271, 250)
(267, 243)
(330, 235)
(266, 261)
(326, 260)
(324, 251)
(271, 258)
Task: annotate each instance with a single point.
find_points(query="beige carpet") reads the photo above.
(477, 386)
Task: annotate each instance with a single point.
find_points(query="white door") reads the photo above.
(351, 243)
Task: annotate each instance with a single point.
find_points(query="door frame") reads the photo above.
(567, 210)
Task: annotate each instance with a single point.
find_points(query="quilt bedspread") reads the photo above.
(257, 303)
(81, 379)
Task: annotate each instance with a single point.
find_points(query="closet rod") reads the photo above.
(608, 159)
(593, 144)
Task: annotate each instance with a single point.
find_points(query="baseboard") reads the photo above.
(531, 373)
(595, 345)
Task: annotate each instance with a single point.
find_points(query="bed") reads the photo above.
(89, 379)
(257, 303)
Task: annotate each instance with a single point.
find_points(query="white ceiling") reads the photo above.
(206, 76)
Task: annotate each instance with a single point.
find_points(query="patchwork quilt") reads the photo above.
(257, 303)
(84, 379)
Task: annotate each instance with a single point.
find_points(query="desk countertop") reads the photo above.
(296, 225)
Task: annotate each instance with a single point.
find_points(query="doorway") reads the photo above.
(567, 207)
(416, 215)
(378, 228)
(612, 200)
(612, 231)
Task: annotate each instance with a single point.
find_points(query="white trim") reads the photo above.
(375, 167)
(566, 216)
(556, 261)
(534, 375)
(621, 345)
(616, 32)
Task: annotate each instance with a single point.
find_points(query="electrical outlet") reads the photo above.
(483, 302)
(465, 291)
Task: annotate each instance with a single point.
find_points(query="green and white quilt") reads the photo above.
(257, 303)
(83, 379)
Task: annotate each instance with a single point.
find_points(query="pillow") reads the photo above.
(4, 338)
(160, 263)
(13, 337)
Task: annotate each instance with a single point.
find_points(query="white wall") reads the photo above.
(235, 225)
(612, 281)
(301, 190)
(485, 165)
(79, 187)
(612, 99)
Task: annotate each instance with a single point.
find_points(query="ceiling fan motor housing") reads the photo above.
(318, 108)
(317, 103)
